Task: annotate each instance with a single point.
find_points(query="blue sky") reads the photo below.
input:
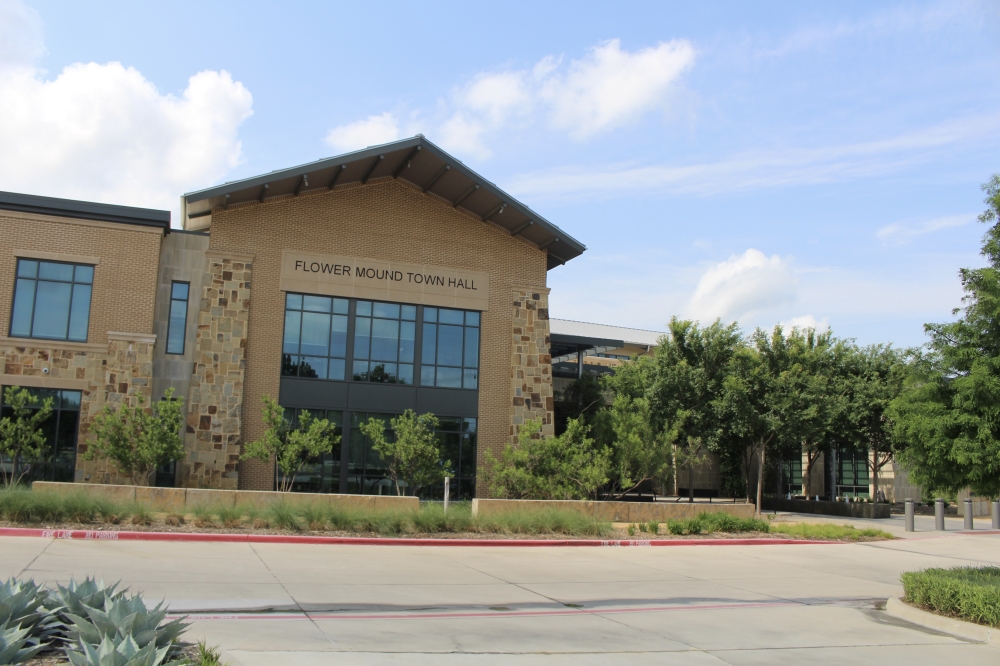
(806, 163)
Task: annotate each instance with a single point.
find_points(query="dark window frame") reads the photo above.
(351, 333)
(170, 313)
(34, 298)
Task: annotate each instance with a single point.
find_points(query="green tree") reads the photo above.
(583, 398)
(289, 447)
(138, 440)
(412, 455)
(874, 380)
(568, 466)
(692, 363)
(638, 452)
(948, 415)
(21, 435)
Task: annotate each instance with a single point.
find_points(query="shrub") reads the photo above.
(141, 514)
(283, 516)
(203, 516)
(230, 516)
(314, 516)
(968, 593)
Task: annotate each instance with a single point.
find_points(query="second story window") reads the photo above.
(51, 300)
(178, 317)
(315, 343)
(450, 356)
(384, 335)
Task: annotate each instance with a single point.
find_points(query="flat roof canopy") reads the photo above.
(418, 162)
(85, 210)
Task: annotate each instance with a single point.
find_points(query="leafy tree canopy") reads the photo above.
(948, 416)
(21, 436)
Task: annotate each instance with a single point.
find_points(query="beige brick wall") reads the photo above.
(386, 220)
(108, 370)
(124, 281)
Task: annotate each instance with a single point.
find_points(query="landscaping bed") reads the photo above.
(965, 593)
(20, 508)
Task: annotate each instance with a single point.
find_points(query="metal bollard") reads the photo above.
(996, 515)
(909, 515)
(447, 491)
(967, 507)
(939, 514)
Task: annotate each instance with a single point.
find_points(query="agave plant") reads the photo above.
(16, 644)
(126, 616)
(22, 604)
(76, 597)
(119, 651)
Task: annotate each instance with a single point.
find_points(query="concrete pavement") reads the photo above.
(456, 606)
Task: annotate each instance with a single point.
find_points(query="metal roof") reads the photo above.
(415, 160)
(566, 328)
(86, 210)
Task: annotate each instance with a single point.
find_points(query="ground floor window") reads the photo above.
(60, 431)
(791, 476)
(364, 473)
(852, 473)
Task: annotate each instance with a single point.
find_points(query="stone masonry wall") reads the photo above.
(531, 363)
(215, 407)
(111, 377)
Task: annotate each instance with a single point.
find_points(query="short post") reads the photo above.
(996, 514)
(967, 506)
(939, 514)
(447, 492)
(909, 514)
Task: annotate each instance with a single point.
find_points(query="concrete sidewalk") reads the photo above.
(422, 605)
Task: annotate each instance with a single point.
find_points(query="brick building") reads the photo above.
(358, 286)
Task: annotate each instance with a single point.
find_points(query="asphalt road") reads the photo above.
(317, 604)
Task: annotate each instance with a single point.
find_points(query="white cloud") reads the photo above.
(611, 87)
(742, 286)
(900, 232)
(371, 131)
(605, 89)
(803, 322)
(103, 132)
(768, 168)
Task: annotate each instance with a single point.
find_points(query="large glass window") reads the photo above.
(51, 300)
(60, 436)
(456, 437)
(315, 343)
(178, 317)
(384, 340)
(450, 349)
(852, 473)
(322, 474)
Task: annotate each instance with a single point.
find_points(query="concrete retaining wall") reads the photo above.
(177, 500)
(846, 509)
(618, 512)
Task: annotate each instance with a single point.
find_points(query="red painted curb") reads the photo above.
(107, 535)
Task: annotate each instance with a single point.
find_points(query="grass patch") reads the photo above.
(832, 532)
(966, 593)
(229, 516)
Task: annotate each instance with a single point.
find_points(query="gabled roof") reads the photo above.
(85, 210)
(415, 160)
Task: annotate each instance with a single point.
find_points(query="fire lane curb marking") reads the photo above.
(109, 535)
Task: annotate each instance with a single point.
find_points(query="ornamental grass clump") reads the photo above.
(314, 516)
(967, 593)
(229, 515)
(283, 516)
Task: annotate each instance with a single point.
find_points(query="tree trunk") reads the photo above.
(875, 472)
(760, 480)
(690, 482)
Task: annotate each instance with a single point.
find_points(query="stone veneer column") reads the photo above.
(531, 362)
(120, 377)
(214, 413)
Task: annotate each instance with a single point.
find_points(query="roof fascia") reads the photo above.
(85, 210)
